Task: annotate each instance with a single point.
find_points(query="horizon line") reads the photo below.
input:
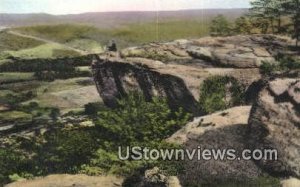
(122, 11)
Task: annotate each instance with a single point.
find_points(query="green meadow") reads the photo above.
(128, 35)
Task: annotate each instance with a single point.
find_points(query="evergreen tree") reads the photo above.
(267, 12)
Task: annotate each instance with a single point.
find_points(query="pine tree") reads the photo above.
(267, 11)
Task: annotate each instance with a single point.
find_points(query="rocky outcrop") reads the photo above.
(176, 70)
(115, 79)
(275, 123)
(272, 123)
(235, 51)
(219, 120)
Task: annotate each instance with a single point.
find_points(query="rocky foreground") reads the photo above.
(176, 70)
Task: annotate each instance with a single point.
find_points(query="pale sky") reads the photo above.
(81, 6)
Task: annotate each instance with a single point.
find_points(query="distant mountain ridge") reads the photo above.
(112, 19)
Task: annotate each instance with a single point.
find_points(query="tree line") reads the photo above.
(266, 16)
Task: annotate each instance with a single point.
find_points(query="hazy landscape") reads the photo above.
(215, 78)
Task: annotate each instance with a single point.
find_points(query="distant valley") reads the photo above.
(113, 19)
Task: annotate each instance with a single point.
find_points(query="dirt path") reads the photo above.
(82, 52)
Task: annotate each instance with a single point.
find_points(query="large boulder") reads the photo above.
(222, 130)
(275, 123)
(177, 69)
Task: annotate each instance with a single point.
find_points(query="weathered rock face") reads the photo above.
(115, 79)
(275, 123)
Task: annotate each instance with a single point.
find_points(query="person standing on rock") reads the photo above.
(112, 46)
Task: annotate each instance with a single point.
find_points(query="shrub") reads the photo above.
(284, 63)
(268, 68)
(92, 108)
(65, 151)
(136, 120)
(10, 163)
(219, 93)
(134, 123)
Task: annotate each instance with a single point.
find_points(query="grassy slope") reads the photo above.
(43, 51)
(17, 46)
(129, 35)
(67, 94)
(12, 42)
(91, 39)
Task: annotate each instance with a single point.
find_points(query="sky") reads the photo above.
(81, 6)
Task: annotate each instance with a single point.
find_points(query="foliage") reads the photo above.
(284, 63)
(154, 120)
(243, 25)
(270, 11)
(220, 26)
(64, 151)
(63, 73)
(36, 65)
(13, 99)
(58, 151)
(134, 122)
(93, 108)
(292, 9)
(10, 162)
(219, 93)
(108, 162)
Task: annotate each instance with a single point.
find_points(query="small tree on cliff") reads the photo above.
(220, 26)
